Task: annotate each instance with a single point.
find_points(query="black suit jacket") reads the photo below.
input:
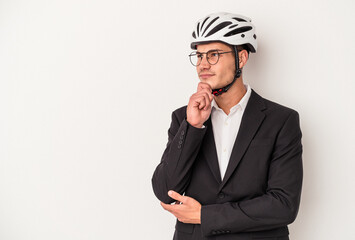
(260, 192)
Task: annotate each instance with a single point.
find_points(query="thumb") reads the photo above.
(176, 196)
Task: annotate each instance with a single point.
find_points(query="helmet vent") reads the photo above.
(234, 25)
(198, 29)
(209, 25)
(218, 27)
(204, 23)
(237, 31)
(239, 19)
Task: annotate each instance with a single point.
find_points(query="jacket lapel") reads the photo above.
(210, 152)
(251, 120)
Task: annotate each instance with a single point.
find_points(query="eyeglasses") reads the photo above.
(212, 57)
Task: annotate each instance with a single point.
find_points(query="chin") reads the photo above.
(210, 82)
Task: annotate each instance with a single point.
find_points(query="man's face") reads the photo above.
(220, 74)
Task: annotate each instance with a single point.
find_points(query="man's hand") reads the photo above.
(186, 209)
(199, 107)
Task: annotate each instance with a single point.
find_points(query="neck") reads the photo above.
(232, 97)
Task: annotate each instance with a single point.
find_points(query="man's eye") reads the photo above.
(214, 54)
(199, 55)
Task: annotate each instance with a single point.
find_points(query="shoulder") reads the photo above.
(273, 109)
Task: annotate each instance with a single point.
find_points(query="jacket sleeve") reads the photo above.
(278, 206)
(174, 170)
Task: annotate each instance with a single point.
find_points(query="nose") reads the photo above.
(204, 63)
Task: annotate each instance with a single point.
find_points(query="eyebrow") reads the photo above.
(210, 50)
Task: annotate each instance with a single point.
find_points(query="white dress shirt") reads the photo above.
(225, 129)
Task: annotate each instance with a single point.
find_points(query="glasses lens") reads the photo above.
(194, 58)
(212, 57)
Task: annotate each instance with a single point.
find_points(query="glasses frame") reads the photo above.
(202, 53)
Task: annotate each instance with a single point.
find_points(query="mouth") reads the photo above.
(206, 75)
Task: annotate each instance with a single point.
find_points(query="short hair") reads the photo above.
(243, 47)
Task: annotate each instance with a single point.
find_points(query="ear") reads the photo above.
(243, 58)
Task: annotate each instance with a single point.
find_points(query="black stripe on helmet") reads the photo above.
(204, 23)
(198, 29)
(240, 19)
(194, 35)
(209, 25)
(218, 27)
(237, 31)
(232, 26)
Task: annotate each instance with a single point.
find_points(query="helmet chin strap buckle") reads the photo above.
(220, 91)
(217, 92)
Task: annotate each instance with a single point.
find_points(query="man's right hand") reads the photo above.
(199, 107)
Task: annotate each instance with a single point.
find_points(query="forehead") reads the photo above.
(214, 45)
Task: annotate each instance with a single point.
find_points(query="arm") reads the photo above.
(185, 138)
(279, 205)
(173, 172)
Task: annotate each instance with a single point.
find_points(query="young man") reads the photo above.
(233, 161)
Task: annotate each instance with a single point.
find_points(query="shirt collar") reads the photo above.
(242, 103)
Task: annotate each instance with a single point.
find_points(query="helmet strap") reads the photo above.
(238, 72)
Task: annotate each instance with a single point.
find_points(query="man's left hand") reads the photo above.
(186, 209)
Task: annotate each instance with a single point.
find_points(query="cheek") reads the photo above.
(226, 74)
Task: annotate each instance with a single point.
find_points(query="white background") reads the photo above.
(86, 94)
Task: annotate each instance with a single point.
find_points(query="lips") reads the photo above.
(206, 75)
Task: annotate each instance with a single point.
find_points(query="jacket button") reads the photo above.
(221, 195)
(182, 132)
(180, 142)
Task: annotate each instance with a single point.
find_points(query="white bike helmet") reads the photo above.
(228, 28)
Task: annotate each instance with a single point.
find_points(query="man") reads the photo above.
(233, 161)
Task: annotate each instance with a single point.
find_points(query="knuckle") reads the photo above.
(206, 92)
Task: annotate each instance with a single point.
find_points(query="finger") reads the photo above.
(203, 85)
(210, 95)
(205, 101)
(202, 103)
(208, 92)
(198, 100)
(167, 207)
(176, 196)
(208, 101)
